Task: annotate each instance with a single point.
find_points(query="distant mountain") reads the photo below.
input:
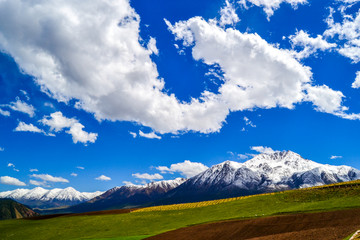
(10, 209)
(42, 198)
(128, 196)
(263, 173)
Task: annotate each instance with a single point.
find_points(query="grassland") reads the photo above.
(138, 225)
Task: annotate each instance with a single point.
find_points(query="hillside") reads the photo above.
(10, 209)
(138, 225)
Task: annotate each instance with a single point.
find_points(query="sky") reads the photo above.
(117, 92)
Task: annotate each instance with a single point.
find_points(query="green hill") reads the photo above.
(10, 209)
(139, 224)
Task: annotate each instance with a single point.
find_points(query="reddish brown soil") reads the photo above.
(325, 225)
(116, 211)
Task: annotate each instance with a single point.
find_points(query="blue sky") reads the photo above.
(99, 95)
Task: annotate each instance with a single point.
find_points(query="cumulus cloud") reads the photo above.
(257, 74)
(262, 149)
(11, 181)
(57, 122)
(21, 106)
(49, 178)
(335, 157)
(325, 99)
(308, 44)
(95, 59)
(150, 135)
(103, 178)
(147, 176)
(152, 46)
(38, 183)
(270, 6)
(24, 127)
(348, 32)
(186, 168)
(356, 83)
(228, 15)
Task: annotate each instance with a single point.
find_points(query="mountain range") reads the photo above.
(43, 198)
(131, 196)
(266, 172)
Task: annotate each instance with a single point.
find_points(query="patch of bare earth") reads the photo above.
(333, 225)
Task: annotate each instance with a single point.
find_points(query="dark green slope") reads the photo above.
(10, 209)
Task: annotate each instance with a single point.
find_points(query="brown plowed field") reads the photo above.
(310, 226)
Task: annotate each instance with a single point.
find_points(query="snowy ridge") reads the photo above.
(273, 171)
(34, 197)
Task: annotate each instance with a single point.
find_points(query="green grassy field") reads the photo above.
(138, 225)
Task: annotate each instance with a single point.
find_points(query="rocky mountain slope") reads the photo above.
(128, 196)
(10, 209)
(42, 198)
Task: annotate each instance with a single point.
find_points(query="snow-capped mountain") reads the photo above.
(129, 196)
(42, 198)
(263, 173)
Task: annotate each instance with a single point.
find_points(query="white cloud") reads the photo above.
(348, 32)
(152, 46)
(147, 176)
(335, 157)
(325, 99)
(2, 149)
(150, 135)
(74, 174)
(4, 113)
(24, 127)
(13, 167)
(11, 181)
(79, 167)
(49, 178)
(270, 6)
(127, 183)
(38, 183)
(262, 149)
(228, 15)
(309, 44)
(248, 122)
(79, 135)
(356, 83)
(257, 74)
(243, 156)
(133, 134)
(33, 170)
(97, 61)
(57, 122)
(26, 95)
(21, 106)
(103, 178)
(186, 168)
